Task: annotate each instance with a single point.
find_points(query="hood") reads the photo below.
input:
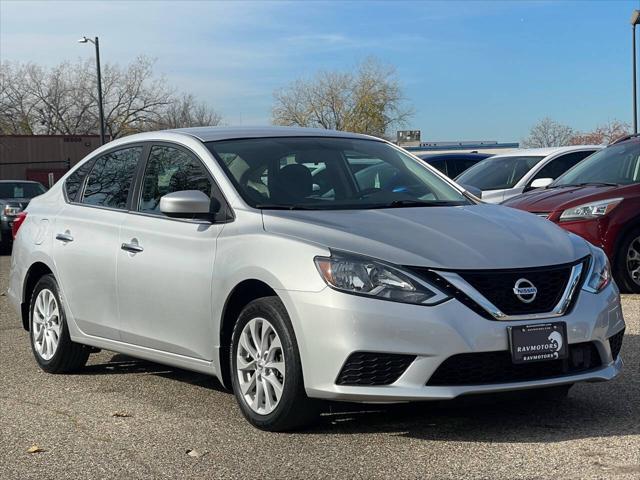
(468, 237)
(550, 199)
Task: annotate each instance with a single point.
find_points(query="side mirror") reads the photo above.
(185, 203)
(541, 182)
(476, 192)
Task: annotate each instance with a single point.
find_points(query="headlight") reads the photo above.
(11, 211)
(590, 210)
(599, 275)
(364, 276)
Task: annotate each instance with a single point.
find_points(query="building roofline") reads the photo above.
(462, 146)
(50, 136)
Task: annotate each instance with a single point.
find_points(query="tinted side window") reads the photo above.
(439, 165)
(558, 166)
(110, 180)
(171, 170)
(73, 183)
(456, 167)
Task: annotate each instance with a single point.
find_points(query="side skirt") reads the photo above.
(144, 353)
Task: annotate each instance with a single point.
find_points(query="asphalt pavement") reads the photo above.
(125, 418)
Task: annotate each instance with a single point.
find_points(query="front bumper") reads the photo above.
(330, 326)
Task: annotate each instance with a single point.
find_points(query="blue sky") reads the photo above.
(472, 70)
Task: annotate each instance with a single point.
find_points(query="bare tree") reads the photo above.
(187, 112)
(63, 100)
(370, 101)
(548, 133)
(602, 134)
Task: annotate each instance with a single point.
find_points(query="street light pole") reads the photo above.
(635, 20)
(96, 42)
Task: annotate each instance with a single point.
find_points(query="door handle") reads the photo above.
(64, 237)
(131, 247)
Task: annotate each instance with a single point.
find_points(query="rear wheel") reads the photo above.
(52, 347)
(627, 268)
(266, 371)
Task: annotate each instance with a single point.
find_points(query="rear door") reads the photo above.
(164, 290)
(86, 239)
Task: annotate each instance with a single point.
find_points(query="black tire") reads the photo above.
(69, 356)
(5, 245)
(621, 273)
(295, 409)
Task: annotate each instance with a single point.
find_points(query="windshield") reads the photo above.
(498, 173)
(618, 164)
(20, 190)
(330, 173)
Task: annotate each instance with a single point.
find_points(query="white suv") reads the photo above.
(218, 250)
(504, 176)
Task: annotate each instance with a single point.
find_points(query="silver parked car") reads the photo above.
(217, 250)
(504, 176)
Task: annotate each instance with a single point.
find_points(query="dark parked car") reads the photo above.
(599, 199)
(452, 164)
(14, 197)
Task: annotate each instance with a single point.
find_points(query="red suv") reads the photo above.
(599, 199)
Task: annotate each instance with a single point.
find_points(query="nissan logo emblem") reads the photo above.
(525, 290)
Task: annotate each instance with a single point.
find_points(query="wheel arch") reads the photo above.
(241, 295)
(629, 225)
(35, 272)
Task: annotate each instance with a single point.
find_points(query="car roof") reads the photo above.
(453, 156)
(212, 134)
(547, 151)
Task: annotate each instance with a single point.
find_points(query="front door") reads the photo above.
(164, 288)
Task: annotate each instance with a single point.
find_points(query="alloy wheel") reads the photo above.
(260, 366)
(46, 324)
(633, 260)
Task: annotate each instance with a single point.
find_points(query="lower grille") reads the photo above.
(370, 368)
(615, 342)
(497, 367)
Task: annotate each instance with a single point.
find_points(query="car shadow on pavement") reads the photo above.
(124, 364)
(591, 410)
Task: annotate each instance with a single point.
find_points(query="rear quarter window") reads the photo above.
(111, 178)
(73, 183)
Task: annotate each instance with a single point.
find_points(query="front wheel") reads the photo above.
(52, 347)
(627, 268)
(266, 371)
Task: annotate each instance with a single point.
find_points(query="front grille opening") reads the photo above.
(371, 368)
(615, 342)
(497, 287)
(496, 367)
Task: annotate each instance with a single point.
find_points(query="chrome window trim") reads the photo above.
(559, 310)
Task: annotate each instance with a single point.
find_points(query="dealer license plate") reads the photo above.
(538, 343)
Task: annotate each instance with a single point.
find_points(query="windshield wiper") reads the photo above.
(419, 203)
(586, 184)
(275, 206)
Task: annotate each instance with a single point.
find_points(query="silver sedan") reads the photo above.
(271, 259)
